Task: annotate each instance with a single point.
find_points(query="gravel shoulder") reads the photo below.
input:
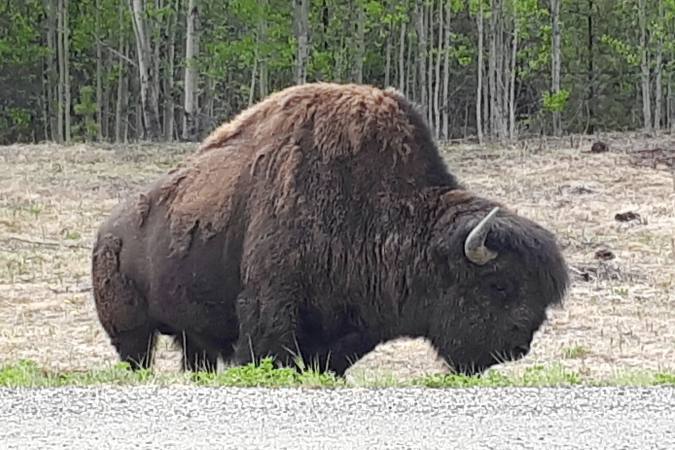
(179, 417)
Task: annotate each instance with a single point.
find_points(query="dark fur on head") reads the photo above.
(321, 221)
(487, 314)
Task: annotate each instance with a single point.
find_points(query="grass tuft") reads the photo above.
(265, 374)
(575, 352)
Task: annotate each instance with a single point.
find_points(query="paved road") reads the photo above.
(188, 417)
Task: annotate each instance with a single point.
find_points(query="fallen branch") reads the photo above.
(42, 242)
(71, 290)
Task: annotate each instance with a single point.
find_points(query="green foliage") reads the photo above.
(626, 51)
(555, 102)
(239, 37)
(20, 32)
(19, 117)
(86, 109)
(16, 118)
(665, 379)
(463, 49)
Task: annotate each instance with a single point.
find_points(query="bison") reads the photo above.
(319, 223)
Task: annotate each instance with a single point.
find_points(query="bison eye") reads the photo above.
(498, 287)
(500, 291)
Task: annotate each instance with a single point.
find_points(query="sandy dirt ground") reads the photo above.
(619, 315)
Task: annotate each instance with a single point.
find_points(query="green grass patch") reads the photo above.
(27, 374)
(554, 375)
(266, 375)
(642, 378)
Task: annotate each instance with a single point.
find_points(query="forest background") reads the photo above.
(485, 70)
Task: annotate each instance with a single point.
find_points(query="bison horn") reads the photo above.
(474, 246)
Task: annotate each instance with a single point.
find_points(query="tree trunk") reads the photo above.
(591, 74)
(359, 54)
(421, 55)
(62, 71)
(301, 8)
(66, 65)
(512, 82)
(387, 59)
(210, 89)
(105, 107)
(492, 70)
(65, 36)
(156, 44)
(99, 62)
(445, 108)
(479, 74)
(149, 96)
(401, 60)
(254, 74)
(670, 104)
(138, 114)
(502, 74)
(191, 72)
(658, 94)
(429, 49)
(52, 74)
(121, 81)
(437, 88)
(555, 61)
(486, 102)
(43, 101)
(263, 84)
(169, 103)
(412, 71)
(644, 67)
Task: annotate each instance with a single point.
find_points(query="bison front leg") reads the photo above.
(196, 356)
(267, 328)
(340, 355)
(121, 308)
(135, 347)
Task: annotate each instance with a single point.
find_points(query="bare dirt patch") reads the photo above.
(620, 314)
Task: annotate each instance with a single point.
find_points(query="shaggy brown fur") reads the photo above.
(321, 221)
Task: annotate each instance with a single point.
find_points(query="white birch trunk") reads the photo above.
(512, 82)
(445, 117)
(191, 73)
(644, 67)
(479, 74)
(66, 71)
(301, 8)
(401, 60)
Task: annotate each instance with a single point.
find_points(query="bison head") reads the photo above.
(500, 274)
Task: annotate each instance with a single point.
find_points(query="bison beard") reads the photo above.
(319, 223)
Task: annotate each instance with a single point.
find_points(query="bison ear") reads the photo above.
(474, 246)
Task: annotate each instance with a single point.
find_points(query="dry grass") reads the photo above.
(619, 316)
